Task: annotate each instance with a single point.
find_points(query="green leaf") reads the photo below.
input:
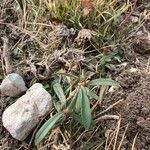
(91, 93)
(107, 58)
(73, 102)
(108, 82)
(79, 101)
(85, 110)
(48, 125)
(60, 93)
(57, 106)
(76, 118)
(46, 86)
(82, 78)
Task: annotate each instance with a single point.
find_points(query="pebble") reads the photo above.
(13, 85)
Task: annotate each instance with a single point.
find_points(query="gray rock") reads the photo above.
(13, 85)
(40, 97)
(21, 117)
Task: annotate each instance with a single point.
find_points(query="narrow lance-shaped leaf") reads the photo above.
(48, 125)
(85, 110)
(108, 82)
(60, 93)
(91, 94)
(57, 106)
(73, 102)
(79, 101)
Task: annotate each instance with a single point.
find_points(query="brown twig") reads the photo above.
(105, 117)
(71, 95)
(134, 140)
(111, 140)
(101, 96)
(6, 58)
(119, 147)
(117, 132)
(110, 107)
(79, 137)
(2, 62)
(129, 15)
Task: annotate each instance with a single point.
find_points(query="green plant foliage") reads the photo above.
(48, 125)
(79, 101)
(106, 59)
(91, 94)
(108, 82)
(76, 117)
(73, 103)
(77, 107)
(57, 106)
(85, 110)
(60, 93)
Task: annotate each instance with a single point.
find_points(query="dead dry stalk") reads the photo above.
(110, 107)
(123, 136)
(108, 117)
(6, 57)
(134, 140)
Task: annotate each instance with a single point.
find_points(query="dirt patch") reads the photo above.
(135, 109)
(137, 113)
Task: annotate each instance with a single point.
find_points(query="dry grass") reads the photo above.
(100, 19)
(34, 21)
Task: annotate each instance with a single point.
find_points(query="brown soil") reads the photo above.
(135, 109)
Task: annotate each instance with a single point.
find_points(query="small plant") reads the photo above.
(76, 105)
(99, 15)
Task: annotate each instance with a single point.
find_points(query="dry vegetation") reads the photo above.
(72, 42)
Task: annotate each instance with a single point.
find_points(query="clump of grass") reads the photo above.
(101, 18)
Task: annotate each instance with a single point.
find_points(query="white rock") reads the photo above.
(40, 97)
(21, 117)
(113, 89)
(13, 85)
(133, 70)
(134, 19)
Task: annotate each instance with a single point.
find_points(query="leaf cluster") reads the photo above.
(76, 106)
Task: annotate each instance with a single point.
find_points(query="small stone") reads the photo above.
(133, 70)
(145, 111)
(112, 89)
(13, 85)
(21, 117)
(139, 33)
(134, 19)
